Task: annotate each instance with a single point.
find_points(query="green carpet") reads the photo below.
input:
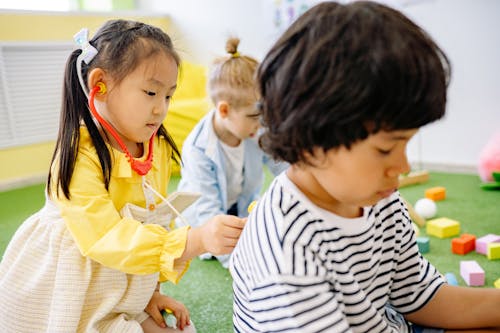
(478, 212)
(15, 207)
(206, 287)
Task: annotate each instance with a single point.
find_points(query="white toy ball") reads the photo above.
(426, 208)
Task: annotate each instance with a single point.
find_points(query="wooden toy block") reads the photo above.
(415, 217)
(451, 279)
(416, 229)
(414, 177)
(443, 227)
(472, 273)
(482, 243)
(436, 193)
(464, 244)
(493, 251)
(423, 244)
(497, 284)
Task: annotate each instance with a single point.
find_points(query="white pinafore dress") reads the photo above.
(46, 285)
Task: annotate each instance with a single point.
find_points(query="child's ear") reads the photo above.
(223, 108)
(97, 75)
(316, 157)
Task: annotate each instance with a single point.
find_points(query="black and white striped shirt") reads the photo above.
(299, 268)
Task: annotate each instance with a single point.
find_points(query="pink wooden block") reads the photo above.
(482, 243)
(472, 273)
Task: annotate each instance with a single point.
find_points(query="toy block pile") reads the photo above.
(443, 227)
(470, 270)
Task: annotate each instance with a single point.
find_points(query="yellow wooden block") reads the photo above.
(493, 251)
(443, 227)
(497, 283)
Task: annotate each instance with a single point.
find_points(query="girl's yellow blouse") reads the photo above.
(92, 214)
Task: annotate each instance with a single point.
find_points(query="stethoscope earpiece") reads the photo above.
(102, 87)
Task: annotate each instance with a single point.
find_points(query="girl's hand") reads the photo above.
(158, 302)
(220, 234)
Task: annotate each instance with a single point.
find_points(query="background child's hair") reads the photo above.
(343, 72)
(122, 45)
(231, 76)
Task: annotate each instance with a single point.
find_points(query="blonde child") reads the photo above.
(221, 156)
(330, 246)
(82, 264)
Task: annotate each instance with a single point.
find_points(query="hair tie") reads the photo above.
(235, 55)
(88, 53)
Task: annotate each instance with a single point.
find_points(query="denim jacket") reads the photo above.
(204, 171)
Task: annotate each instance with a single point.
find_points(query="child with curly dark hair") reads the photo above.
(330, 247)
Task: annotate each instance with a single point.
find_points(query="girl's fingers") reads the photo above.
(232, 235)
(183, 320)
(235, 222)
(158, 318)
(186, 319)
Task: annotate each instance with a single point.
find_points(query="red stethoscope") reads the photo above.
(141, 167)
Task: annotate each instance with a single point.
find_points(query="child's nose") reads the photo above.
(160, 108)
(400, 166)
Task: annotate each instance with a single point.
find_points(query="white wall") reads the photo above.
(201, 27)
(467, 30)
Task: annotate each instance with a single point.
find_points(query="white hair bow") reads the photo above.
(82, 40)
(88, 53)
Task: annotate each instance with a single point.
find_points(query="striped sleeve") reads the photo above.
(415, 280)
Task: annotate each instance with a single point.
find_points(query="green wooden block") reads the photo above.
(423, 244)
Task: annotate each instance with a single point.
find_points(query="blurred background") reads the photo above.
(36, 36)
